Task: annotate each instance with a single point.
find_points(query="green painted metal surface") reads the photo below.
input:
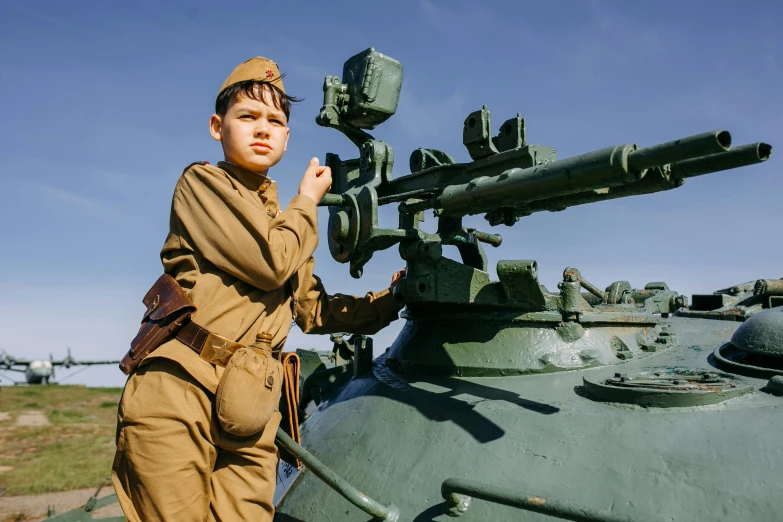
(761, 334)
(578, 403)
(399, 436)
(85, 513)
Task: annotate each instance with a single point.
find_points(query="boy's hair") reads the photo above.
(254, 89)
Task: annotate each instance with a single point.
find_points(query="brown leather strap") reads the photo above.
(290, 403)
(193, 336)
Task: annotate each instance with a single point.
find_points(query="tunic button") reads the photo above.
(270, 380)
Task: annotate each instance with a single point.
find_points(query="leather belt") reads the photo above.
(193, 336)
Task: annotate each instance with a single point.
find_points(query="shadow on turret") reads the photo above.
(436, 398)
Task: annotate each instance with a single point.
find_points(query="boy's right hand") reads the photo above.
(316, 181)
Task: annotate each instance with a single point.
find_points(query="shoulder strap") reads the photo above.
(195, 163)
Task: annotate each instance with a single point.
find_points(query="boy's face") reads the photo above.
(254, 133)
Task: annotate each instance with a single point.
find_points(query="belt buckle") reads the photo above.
(218, 350)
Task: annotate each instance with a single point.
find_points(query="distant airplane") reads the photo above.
(41, 371)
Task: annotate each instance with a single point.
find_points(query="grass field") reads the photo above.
(74, 451)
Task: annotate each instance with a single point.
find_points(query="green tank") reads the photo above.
(505, 400)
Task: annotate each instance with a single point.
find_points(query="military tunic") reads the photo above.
(248, 267)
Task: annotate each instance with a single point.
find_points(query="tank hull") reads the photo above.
(397, 436)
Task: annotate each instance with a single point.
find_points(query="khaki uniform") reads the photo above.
(248, 268)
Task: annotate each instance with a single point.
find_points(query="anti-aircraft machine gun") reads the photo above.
(508, 179)
(579, 404)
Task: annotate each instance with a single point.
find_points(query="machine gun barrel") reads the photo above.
(657, 181)
(737, 157)
(601, 169)
(678, 150)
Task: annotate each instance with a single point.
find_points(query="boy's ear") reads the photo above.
(216, 127)
(287, 135)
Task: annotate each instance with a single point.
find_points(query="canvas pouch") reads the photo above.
(249, 391)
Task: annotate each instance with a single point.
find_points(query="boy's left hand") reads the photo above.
(397, 277)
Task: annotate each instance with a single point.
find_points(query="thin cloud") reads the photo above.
(9, 70)
(292, 50)
(465, 18)
(110, 182)
(40, 16)
(420, 118)
(68, 197)
(610, 39)
(309, 72)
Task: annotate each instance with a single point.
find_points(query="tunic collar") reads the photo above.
(252, 180)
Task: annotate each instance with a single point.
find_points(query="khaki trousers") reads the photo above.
(175, 463)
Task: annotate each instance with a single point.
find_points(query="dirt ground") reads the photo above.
(54, 438)
(34, 507)
(31, 418)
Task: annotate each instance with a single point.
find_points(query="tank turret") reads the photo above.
(504, 399)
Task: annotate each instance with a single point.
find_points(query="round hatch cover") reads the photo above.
(762, 333)
(666, 388)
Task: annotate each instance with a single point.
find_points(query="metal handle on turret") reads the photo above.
(494, 240)
(458, 492)
(331, 200)
(378, 511)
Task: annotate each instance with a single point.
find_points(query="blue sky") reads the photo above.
(104, 103)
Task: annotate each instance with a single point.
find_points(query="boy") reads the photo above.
(248, 268)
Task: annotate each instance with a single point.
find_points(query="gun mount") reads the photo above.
(452, 303)
(608, 404)
(507, 179)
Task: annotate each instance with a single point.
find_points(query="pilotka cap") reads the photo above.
(258, 68)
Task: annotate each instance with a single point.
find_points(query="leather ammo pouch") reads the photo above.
(289, 405)
(168, 309)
